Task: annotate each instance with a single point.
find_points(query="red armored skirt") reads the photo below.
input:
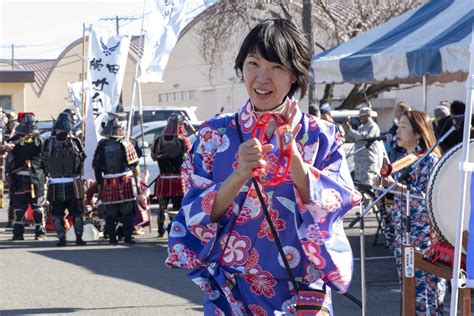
(118, 190)
(170, 185)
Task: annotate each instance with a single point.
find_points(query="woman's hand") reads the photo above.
(299, 168)
(251, 156)
(290, 113)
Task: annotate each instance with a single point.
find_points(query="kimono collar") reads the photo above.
(248, 117)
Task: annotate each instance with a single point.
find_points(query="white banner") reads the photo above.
(107, 60)
(163, 26)
(75, 95)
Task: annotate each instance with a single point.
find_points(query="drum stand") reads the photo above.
(441, 271)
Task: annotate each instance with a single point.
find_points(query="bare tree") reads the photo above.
(336, 21)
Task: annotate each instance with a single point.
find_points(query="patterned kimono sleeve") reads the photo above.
(422, 176)
(193, 233)
(332, 195)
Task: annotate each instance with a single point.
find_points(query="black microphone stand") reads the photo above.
(367, 145)
(404, 175)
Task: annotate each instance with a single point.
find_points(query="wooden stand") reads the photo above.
(441, 271)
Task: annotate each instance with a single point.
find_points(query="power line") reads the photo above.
(119, 18)
(13, 46)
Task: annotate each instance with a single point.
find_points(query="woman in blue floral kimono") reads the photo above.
(221, 233)
(415, 134)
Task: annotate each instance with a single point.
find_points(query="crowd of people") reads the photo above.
(252, 248)
(44, 177)
(412, 133)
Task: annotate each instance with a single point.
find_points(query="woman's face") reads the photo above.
(406, 137)
(267, 82)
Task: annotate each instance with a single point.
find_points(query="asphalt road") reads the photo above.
(98, 279)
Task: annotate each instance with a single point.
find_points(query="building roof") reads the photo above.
(42, 69)
(17, 76)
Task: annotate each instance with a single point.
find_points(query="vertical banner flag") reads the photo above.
(163, 26)
(75, 95)
(107, 57)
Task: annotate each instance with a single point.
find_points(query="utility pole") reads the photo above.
(118, 18)
(13, 46)
(308, 30)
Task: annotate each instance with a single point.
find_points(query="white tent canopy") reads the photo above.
(431, 40)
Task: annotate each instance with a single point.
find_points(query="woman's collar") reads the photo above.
(248, 117)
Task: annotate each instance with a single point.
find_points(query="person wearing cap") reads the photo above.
(63, 158)
(325, 112)
(366, 159)
(26, 176)
(117, 173)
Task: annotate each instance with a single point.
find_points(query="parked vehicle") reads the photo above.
(162, 113)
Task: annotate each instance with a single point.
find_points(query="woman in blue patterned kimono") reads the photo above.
(221, 233)
(415, 134)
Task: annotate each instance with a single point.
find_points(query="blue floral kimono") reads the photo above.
(235, 260)
(430, 289)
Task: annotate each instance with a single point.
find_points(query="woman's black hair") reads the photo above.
(279, 41)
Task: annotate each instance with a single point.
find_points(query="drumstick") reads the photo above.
(387, 168)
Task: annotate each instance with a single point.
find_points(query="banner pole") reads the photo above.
(83, 97)
(456, 280)
(135, 81)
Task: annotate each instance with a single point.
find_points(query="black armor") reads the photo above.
(114, 157)
(170, 153)
(26, 156)
(64, 156)
(26, 176)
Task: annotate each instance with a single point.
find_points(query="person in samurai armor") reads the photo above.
(8, 130)
(26, 176)
(169, 150)
(117, 172)
(64, 157)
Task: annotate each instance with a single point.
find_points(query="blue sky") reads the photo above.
(45, 28)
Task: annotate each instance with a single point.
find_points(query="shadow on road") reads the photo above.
(142, 264)
(68, 310)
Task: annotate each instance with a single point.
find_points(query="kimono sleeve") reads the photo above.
(422, 175)
(193, 233)
(332, 195)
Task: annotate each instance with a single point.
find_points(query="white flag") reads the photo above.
(107, 60)
(164, 24)
(75, 95)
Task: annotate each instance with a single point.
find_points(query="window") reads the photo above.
(176, 96)
(6, 102)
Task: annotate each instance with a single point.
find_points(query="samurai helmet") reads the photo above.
(73, 114)
(63, 122)
(175, 125)
(115, 126)
(27, 124)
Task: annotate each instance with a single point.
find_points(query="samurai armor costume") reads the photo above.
(116, 168)
(64, 157)
(27, 177)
